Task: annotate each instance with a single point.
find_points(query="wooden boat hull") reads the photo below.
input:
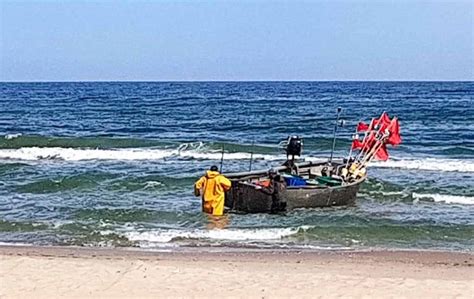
(244, 197)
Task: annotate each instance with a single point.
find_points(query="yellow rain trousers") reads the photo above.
(212, 186)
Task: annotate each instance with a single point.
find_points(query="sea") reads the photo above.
(112, 164)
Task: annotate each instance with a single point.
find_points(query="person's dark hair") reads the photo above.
(214, 168)
(272, 173)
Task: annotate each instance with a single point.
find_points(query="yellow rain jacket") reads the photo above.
(212, 187)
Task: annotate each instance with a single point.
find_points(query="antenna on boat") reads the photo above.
(251, 155)
(339, 109)
(222, 158)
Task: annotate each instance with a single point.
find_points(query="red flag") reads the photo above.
(384, 118)
(362, 126)
(357, 144)
(382, 122)
(394, 138)
(382, 153)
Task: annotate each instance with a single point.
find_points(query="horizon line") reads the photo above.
(222, 81)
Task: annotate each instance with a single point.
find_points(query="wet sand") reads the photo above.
(49, 272)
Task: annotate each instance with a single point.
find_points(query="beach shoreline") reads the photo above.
(40, 272)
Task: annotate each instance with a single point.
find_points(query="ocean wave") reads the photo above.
(11, 166)
(465, 200)
(170, 235)
(152, 184)
(66, 183)
(457, 151)
(104, 181)
(12, 136)
(434, 164)
(200, 151)
(75, 154)
(15, 141)
(428, 164)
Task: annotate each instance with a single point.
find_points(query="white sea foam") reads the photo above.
(75, 154)
(203, 153)
(466, 200)
(168, 235)
(152, 184)
(12, 136)
(429, 164)
(433, 164)
(15, 244)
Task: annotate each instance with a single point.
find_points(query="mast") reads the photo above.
(338, 114)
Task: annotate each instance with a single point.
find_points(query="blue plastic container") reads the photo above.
(293, 181)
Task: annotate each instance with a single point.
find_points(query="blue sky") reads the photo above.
(236, 40)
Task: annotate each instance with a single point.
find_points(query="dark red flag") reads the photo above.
(382, 153)
(357, 144)
(382, 122)
(394, 138)
(384, 118)
(362, 126)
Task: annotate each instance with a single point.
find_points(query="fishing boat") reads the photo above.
(319, 189)
(313, 184)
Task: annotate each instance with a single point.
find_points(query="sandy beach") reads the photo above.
(48, 272)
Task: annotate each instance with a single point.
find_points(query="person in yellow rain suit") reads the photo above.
(212, 187)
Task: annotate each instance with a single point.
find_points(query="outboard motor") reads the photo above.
(294, 146)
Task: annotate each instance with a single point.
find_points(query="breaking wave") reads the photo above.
(429, 164)
(169, 235)
(75, 154)
(18, 140)
(465, 200)
(200, 151)
(12, 136)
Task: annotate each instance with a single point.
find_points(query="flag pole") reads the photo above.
(360, 154)
(370, 155)
(339, 109)
(381, 140)
(372, 152)
(365, 162)
(371, 125)
(350, 151)
(385, 137)
(363, 155)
